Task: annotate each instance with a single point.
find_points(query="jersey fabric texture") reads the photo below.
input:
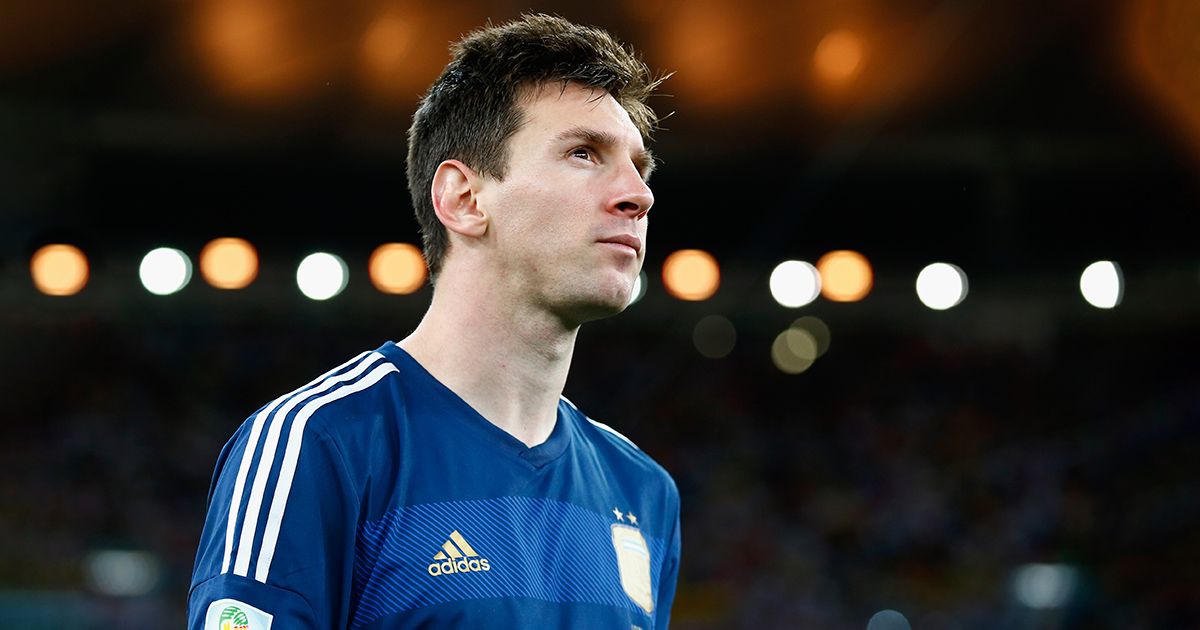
(375, 497)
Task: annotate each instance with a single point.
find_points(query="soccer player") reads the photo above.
(444, 481)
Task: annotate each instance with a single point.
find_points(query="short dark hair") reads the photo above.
(472, 109)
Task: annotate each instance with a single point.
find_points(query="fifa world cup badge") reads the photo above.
(231, 614)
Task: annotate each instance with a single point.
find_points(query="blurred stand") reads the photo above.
(1019, 459)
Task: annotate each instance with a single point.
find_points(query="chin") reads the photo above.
(615, 298)
(592, 311)
(599, 305)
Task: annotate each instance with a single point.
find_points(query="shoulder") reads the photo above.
(620, 451)
(355, 390)
(346, 399)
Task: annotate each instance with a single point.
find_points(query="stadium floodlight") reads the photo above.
(122, 573)
(59, 269)
(165, 271)
(397, 268)
(794, 351)
(714, 336)
(795, 283)
(691, 274)
(229, 263)
(817, 329)
(1044, 586)
(941, 286)
(846, 276)
(839, 56)
(321, 276)
(1102, 284)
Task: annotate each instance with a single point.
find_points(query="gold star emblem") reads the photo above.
(632, 518)
(618, 514)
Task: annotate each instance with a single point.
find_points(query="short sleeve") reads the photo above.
(256, 605)
(278, 539)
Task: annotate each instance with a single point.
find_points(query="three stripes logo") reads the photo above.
(457, 556)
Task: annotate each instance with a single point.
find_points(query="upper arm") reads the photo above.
(279, 533)
(264, 607)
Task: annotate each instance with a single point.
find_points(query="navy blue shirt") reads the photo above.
(375, 497)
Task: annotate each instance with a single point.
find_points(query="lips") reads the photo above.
(628, 240)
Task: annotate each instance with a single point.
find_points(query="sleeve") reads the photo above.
(277, 547)
(670, 573)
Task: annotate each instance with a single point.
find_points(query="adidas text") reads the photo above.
(462, 565)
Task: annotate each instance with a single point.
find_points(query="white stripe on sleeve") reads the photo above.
(290, 458)
(239, 484)
(241, 565)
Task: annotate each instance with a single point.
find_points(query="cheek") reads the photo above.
(546, 213)
(541, 225)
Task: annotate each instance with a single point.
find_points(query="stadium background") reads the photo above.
(1021, 460)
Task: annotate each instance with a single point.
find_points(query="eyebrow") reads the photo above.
(643, 159)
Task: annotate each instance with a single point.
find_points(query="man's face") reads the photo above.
(569, 220)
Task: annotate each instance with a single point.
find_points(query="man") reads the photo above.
(443, 481)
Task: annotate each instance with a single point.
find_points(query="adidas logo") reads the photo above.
(457, 556)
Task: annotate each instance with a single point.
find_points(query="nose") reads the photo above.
(636, 202)
(635, 197)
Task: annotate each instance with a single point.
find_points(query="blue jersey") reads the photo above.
(375, 497)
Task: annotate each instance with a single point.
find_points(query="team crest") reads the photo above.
(231, 614)
(633, 564)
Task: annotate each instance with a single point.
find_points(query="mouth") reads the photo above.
(624, 241)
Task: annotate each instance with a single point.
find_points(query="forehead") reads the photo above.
(550, 109)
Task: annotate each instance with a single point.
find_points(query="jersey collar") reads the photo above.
(536, 456)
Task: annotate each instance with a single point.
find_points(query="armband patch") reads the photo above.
(230, 614)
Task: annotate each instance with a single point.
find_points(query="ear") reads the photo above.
(454, 190)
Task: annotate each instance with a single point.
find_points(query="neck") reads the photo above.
(506, 359)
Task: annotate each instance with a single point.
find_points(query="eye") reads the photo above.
(584, 152)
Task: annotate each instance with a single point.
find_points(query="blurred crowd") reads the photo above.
(897, 472)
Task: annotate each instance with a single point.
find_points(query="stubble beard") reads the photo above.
(592, 299)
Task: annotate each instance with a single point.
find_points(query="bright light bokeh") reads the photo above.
(691, 274)
(242, 43)
(1164, 54)
(1044, 586)
(817, 329)
(321, 276)
(267, 51)
(839, 56)
(400, 47)
(846, 276)
(888, 619)
(714, 336)
(397, 268)
(794, 351)
(639, 288)
(384, 53)
(122, 573)
(795, 283)
(165, 271)
(716, 41)
(941, 286)
(229, 263)
(1102, 284)
(59, 269)
(386, 42)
